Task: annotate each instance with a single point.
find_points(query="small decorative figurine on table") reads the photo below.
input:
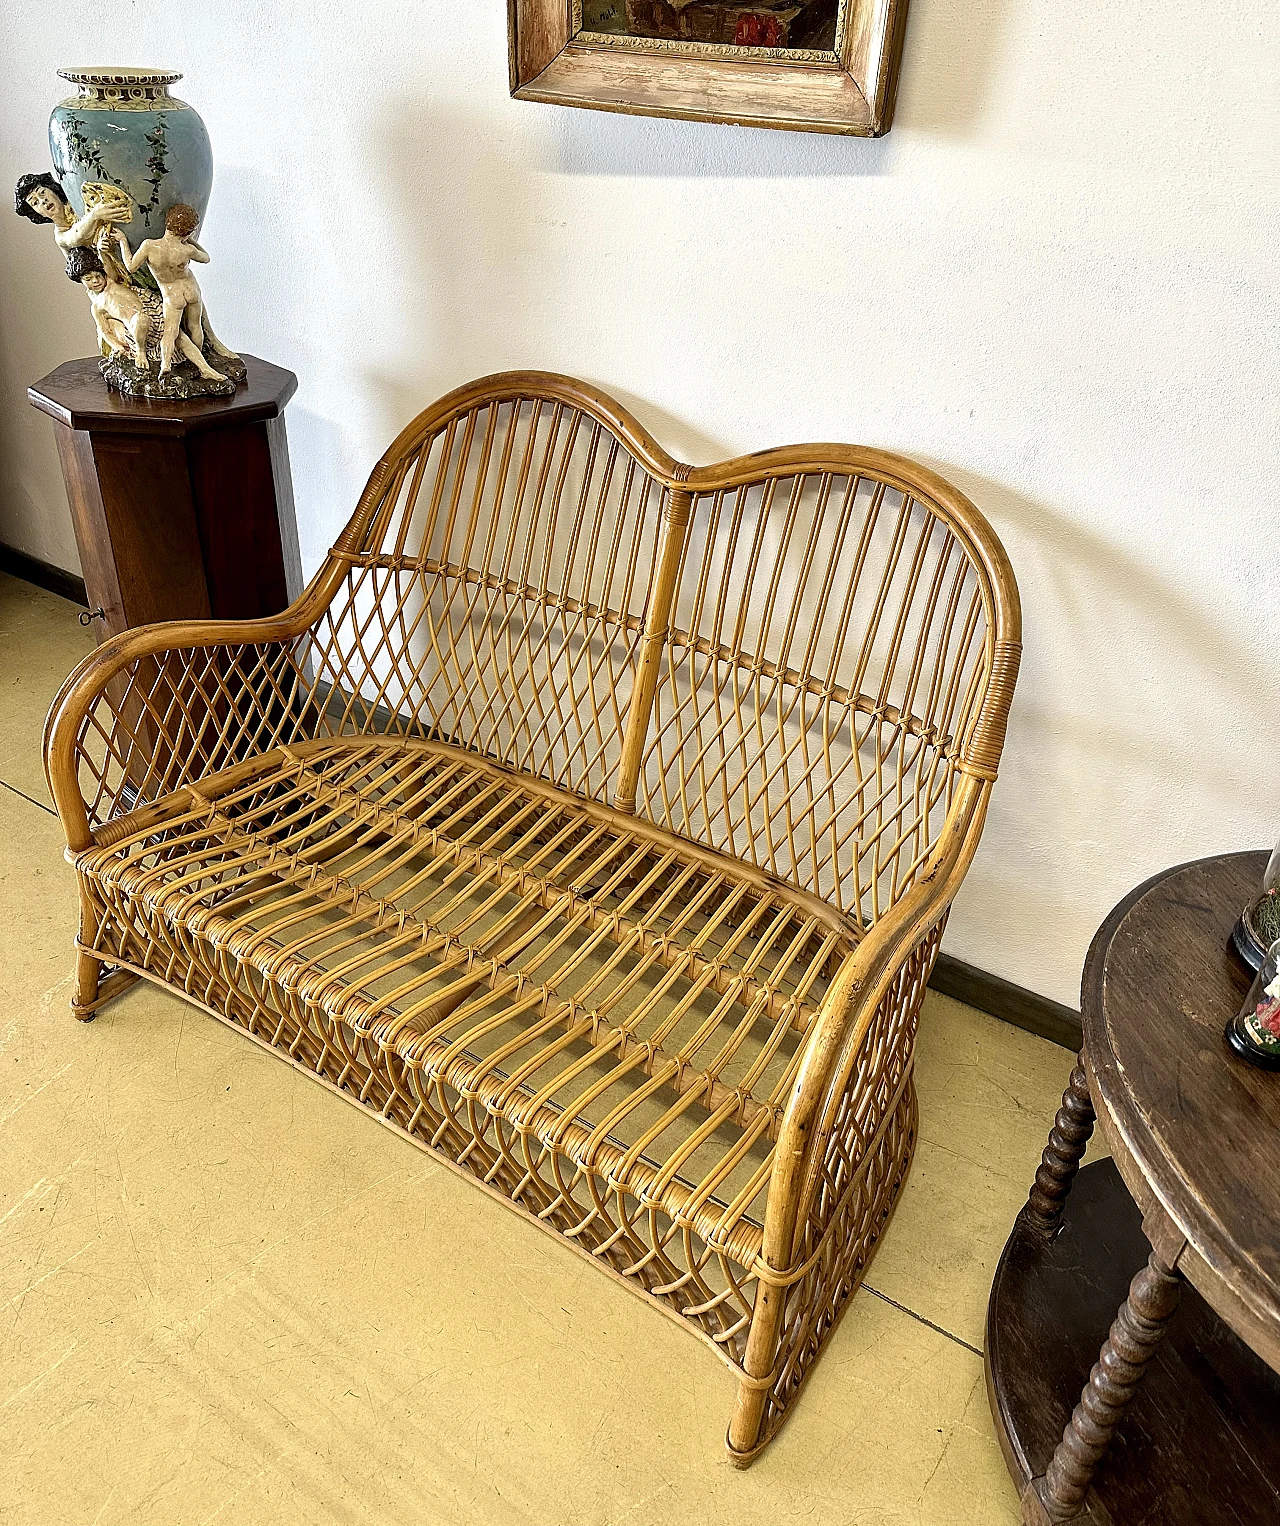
(151, 169)
(1259, 924)
(1254, 1032)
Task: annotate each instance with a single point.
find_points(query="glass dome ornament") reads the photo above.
(1254, 1032)
(1259, 924)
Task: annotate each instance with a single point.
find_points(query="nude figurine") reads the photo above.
(120, 313)
(120, 317)
(40, 199)
(169, 261)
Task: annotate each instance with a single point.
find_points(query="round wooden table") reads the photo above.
(1179, 1421)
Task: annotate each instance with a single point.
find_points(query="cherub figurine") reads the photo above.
(118, 311)
(148, 319)
(40, 199)
(169, 261)
(126, 316)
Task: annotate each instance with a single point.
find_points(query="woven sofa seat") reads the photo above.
(620, 997)
(593, 820)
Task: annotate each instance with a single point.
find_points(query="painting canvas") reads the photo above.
(785, 24)
(798, 65)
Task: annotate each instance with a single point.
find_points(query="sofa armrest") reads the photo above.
(163, 705)
(830, 1067)
(831, 1060)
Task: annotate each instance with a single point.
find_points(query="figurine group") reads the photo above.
(146, 302)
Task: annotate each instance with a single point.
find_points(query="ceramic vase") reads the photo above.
(124, 129)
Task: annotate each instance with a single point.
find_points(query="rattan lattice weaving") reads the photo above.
(591, 819)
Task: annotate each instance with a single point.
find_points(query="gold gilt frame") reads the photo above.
(849, 89)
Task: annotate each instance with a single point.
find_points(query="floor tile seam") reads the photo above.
(22, 795)
(923, 1319)
(1015, 1172)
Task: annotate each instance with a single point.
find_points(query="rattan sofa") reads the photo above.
(590, 819)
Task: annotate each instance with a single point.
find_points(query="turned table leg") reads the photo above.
(1134, 1338)
(1061, 1159)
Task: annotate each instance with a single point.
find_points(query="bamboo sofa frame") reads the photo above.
(591, 819)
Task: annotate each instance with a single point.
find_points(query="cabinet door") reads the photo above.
(135, 527)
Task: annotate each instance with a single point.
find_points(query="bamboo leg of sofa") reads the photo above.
(84, 997)
(90, 990)
(96, 984)
(744, 1440)
(85, 994)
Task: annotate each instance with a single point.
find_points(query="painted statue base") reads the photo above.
(184, 381)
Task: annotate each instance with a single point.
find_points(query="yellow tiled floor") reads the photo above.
(227, 1296)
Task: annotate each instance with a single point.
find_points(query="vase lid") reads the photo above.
(109, 74)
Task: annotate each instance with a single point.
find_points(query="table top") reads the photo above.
(76, 395)
(1195, 1131)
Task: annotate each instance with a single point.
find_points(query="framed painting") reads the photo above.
(806, 65)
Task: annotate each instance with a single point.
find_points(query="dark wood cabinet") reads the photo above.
(181, 509)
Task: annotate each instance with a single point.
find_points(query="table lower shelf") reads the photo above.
(1200, 1442)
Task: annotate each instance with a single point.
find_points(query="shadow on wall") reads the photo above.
(287, 324)
(679, 436)
(493, 231)
(1097, 742)
(285, 321)
(377, 326)
(1122, 712)
(605, 143)
(950, 56)
(465, 221)
(949, 61)
(44, 320)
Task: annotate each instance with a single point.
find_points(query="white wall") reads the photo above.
(1055, 281)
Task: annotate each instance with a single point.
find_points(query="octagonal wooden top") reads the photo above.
(1195, 1130)
(76, 395)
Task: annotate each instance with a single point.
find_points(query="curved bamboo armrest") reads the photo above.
(830, 1062)
(88, 684)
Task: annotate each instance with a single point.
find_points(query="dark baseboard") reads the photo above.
(32, 570)
(1012, 1004)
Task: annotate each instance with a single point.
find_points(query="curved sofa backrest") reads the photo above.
(792, 657)
(500, 568)
(833, 669)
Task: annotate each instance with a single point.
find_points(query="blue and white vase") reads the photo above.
(124, 129)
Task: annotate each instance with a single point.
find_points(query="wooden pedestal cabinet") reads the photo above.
(181, 509)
